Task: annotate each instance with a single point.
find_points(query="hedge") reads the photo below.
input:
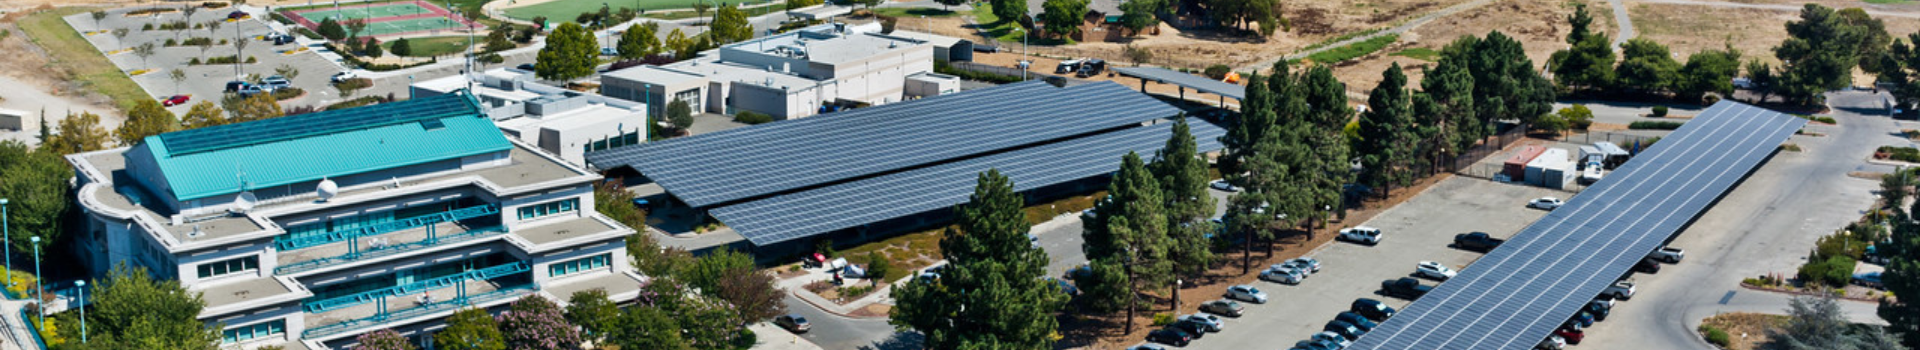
(752, 118)
(944, 68)
(1904, 154)
(1654, 125)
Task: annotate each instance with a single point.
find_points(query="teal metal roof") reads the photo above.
(212, 161)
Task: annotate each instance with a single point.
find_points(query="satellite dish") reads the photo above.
(245, 203)
(327, 190)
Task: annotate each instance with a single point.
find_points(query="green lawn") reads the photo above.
(72, 52)
(566, 10)
(434, 46)
(1419, 53)
(1351, 51)
(1005, 30)
(912, 12)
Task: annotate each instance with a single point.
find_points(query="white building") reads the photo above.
(564, 122)
(794, 74)
(306, 231)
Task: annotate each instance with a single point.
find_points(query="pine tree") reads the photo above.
(1902, 277)
(1386, 146)
(987, 296)
(1329, 168)
(1129, 227)
(1183, 180)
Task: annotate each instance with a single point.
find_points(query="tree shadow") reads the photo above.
(900, 341)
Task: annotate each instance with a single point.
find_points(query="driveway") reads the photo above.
(1765, 225)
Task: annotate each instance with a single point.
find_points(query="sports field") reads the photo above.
(566, 10)
(383, 18)
(366, 12)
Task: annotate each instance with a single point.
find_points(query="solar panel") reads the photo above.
(1516, 295)
(715, 168)
(815, 211)
(319, 123)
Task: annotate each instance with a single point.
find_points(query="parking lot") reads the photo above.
(1419, 230)
(203, 82)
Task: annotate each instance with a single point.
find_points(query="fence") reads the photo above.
(1625, 141)
(1507, 135)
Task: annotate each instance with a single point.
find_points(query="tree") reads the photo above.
(35, 181)
(1138, 15)
(754, 296)
(1329, 168)
(144, 51)
(648, 328)
(1579, 21)
(1505, 85)
(1183, 180)
(1386, 145)
(1129, 227)
(1818, 323)
(1646, 66)
(679, 114)
(371, 48)
(878, 268)
(730, 25)
(78, 133)
(203, 114)
(258, 107)
(706, 272)
(1902, 275)
(1576, 116)
(1009, 11)
(383, 339)
(594, 312)
(1709, 71)
(1063, 17)
(147, 118)
(331, 29)
(1820, 52)
(677, 42)
(1444, 112)
(97, 16)
(1139, 55)
(470, 329)
(356, 26)
(569, 54)
(533, 322)
(498, 41)
(239, 51)
(1761, 76)
(1587, 64)
(401, 47)
(987, 296)
(653, 260)
(178, 76)
(130, 309)
(639, 41)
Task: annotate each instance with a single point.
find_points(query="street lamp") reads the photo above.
(7, 247)
(39, 294)
(1025, 61)
(82, 285)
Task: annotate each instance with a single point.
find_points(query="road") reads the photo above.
(838, 332)
(1765, 225)
(1402, 28)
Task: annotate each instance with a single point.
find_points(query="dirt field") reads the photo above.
(1754, 31)
(1745, 330)
(1045, 65)
(1540, 26)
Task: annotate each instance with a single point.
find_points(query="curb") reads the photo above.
(816, 305)
(1814, 294)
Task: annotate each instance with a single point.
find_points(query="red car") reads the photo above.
(175, 100)
(1572, 336)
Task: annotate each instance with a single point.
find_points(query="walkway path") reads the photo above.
(1623, 21)
(1402, 28)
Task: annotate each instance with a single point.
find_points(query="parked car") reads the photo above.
(1619, 290)
(1360, 234)
(1195, 329)
(238, 15)
(279, 39)
(1247, 293)
(1170, 336)
(1372, 309)
(1647, 266)
(1333, 338)
(608, 51)
(1476, 241)
(250, 90)
(1079, 272)
(275, 83)
(1067, 66)
(1211, 322)
(1433, 270)
(1280, 275)
(1312, 265)
(343, 76)
(1091, 67)
(1146, 347)
(236, 85)
(525, 67)
(1583, 318)
(793, 323)
(1548, 203)
(1223, 307)
(1345, 330)
(1223, 186)
(1869, 280)
(1404, 288)
(1668, 255)
(1315, 345)
(1357, 320)
(1572, 336)
(1599, 310)
(175, 100)
(1553, 342)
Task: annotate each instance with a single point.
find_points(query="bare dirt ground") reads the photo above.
(1745, 330)
(34, 82)
(1690, 28)
(1045, 65)
(1541, 26)
(1839, 4)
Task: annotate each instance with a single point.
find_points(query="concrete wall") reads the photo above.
(647, 92)
(881, 79)
(781, 104)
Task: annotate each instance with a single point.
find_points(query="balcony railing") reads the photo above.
(290, 243)
(355, 253)
(378, 295)
(506, 292)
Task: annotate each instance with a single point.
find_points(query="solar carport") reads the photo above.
(1184, 81)
(847, 171)
(1515, 296)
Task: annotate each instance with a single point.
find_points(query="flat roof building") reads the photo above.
(306, 231)
(564, 122)
(789, 75)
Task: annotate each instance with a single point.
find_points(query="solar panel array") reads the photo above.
(714, 168)
(815, 211)
(1190, 81)
(1515, 296)
(319, 123)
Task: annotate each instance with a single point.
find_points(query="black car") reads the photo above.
(1647, 266)
(1170, 336)
(1476, 241)
(524, 66)
(236, 86)
(1599, 312)
(1358, 321)
(1404, 288)
(238, 15)
(1372, 309)
(1344, 329)
(1194, 328)
(280, 39)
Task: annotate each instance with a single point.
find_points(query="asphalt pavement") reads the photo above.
(1765, 225)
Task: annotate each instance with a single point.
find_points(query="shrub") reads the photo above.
(221, 60)
(170, 43)
(193, 61)
(752, 118)
(148, 26)
(1162, 319)
(1654, 125)
(251, 59)
(1659, 111)
(287, 93)
(277, 17)
(944, 68)
(303, 31)
(22, 282)
(1716, 336)
(1833, 272)
(1355, 50)
(197, 41)
(1904, 154)
(213, 4)
(1218, 71)
(492, 58)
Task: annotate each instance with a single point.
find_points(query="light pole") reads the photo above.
(82, 285)
(39, 295)
(1024, 60)
(7, 246)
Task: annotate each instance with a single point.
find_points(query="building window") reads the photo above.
(622, 140)
(254, 331)
(228, 267)
(576, 265)
(549, 208)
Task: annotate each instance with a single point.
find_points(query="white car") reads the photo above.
(1312, 265)
(1668, 255)
(1553, 342)
(1360, 234)
(342, 77)
(1147, 347)
(1291, 266)
(1280, 275)
(1619, 290)
(1223, 186)
(1548, 203)
(1434, 270)
(1247, 293)
(1332, 337)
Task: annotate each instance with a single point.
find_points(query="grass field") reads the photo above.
(1419, 53)
(72, 52)
(434, 46)
(1351, 51)
(377, 11)
(566, 10)
(1005, 30)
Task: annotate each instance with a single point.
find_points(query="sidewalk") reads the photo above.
(771, 337)
(797, 286)
(17, 332)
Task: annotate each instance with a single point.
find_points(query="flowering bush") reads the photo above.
(534, 323)
(385, 339)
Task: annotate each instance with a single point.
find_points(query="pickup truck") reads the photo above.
(1476, 241)
(1619, 290)
(1404, 288)
(1668, 255)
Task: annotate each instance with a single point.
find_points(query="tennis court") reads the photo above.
(384, 18)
